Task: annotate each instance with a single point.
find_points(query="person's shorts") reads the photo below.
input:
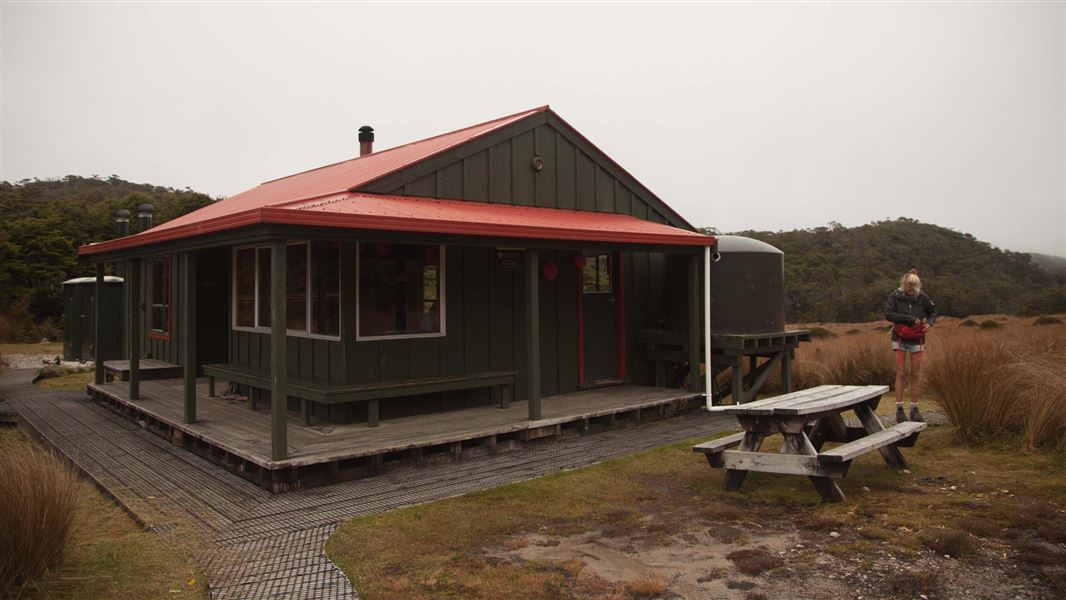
(908, 346)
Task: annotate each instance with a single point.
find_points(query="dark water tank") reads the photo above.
(79, 329)
(747, 287)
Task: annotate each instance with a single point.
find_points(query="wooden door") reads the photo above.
(600, 290)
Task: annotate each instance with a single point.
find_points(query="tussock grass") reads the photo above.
(38, 503)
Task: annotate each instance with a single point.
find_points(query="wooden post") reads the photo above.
(279, 388)
(786, 371)
(694, 329)
(533, 332)
(348, 316)
(134, 279)
(98, 336)
(188, 333)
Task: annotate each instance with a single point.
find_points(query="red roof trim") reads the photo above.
(430, 215)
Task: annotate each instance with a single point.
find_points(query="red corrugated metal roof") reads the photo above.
(320, 197)
(430, 215)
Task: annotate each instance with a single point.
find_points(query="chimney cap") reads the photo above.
(145, 209)
(122, 213)
(366, 133)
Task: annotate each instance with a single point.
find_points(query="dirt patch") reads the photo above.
(694, 565)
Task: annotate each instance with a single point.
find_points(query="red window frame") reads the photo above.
(162, 333)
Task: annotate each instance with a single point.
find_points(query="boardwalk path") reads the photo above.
(271, 546)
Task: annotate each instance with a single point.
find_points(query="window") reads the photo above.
(596, 275)
(312, 288)
(159, 297)
(400, 290)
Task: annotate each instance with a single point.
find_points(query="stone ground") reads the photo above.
(262, 546)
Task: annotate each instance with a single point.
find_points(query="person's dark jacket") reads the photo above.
(906, 310)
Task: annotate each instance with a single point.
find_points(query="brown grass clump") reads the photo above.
(1045, 320)
(754, 561)
(647, 586)
(38, 499)
(951, 542)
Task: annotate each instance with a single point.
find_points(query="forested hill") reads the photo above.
(42, 223)
(845, 273)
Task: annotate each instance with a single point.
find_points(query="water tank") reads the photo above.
(79, 329)
(747, 287)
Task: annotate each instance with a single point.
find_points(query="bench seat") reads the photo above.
(721, 444)
(307, 390)
(891, 435)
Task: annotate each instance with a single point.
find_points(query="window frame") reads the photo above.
(153, 333)
(441, 279)
(304, 333)
(609, 271)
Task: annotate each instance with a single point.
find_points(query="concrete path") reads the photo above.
(266, 546)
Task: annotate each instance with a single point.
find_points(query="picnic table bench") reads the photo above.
(807, 420)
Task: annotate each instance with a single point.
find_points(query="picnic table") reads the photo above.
(807, 420)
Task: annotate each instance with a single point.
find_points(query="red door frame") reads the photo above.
(618, 289)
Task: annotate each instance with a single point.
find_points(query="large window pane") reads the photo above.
(296, 288)
(246, 287)
(399, 289)
(596, 275)
(263, 265)
(325, 288)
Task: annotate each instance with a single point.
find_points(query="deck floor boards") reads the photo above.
(271, 545)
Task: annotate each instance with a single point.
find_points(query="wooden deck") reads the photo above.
(233, 435)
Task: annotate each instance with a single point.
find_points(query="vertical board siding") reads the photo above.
(522, 185)
(452, 359)
(586, 182)
(500, 173)
(566, 186)
(476, 177)
(549, 333)
(545, 180)
(604, 191)
(450, 181)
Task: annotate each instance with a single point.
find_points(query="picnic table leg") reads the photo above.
(872, 424)
(752, 441)
(831, 427)
(798, 443)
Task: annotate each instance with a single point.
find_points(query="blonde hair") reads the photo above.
(910, 282)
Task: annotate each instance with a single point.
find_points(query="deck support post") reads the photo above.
(133, 279)
(188, 333)
(786, 370)
(694, 329)
(348, 316)
(279, 387)
(98, 335)
(533, 332)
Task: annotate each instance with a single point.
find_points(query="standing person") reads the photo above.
(912, 313)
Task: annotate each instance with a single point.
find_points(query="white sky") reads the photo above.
(740, 116)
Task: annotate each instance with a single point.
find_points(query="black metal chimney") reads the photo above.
(144, 217)
(366, 140)
(122, 222)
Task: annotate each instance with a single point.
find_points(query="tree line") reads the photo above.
(844, 274)
(42, 223)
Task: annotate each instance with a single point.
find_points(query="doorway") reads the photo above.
(600, 310)
(212, 306)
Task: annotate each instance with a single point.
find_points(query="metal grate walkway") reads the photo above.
(271, 546)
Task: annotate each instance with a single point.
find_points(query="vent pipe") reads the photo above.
(366, 140)
(122, 222)
(144, 217)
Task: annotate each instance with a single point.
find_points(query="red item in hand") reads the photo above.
(910, 333)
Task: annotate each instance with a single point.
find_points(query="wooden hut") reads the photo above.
(493, 266)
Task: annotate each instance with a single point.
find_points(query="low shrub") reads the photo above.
(951, 542)
(38, 499)
(990, 324)
(968, 323)
(821, 333)
(1045, 320)
(754, 561)
(647, 586)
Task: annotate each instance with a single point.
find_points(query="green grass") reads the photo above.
(446, 549)
(72, 381)
(110, 556)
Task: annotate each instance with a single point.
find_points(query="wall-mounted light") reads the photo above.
(537, 164)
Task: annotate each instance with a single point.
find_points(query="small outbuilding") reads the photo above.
(508, 265)
(80, 319)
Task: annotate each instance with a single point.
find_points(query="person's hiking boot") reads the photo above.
(915, 415)
(900, 416)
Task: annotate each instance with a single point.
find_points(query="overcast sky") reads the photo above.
(740, 116)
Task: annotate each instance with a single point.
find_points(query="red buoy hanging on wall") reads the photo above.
(580, 260)
(551, 270)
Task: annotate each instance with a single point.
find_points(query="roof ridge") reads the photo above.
(531, 111)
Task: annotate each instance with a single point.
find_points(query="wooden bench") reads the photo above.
(500, 382)
(807, 420)
(147, 368)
